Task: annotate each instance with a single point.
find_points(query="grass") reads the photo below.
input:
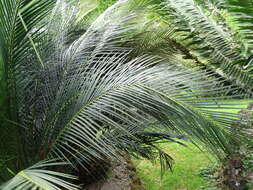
(188, 162)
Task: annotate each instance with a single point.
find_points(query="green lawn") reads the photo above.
(188, 162)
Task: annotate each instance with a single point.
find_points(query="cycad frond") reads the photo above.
(209, 40)
(91, 84)
(37, 177)
(17, 19)
(242, 18)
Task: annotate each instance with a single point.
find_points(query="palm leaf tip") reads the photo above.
(37, 177)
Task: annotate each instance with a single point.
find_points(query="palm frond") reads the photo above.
(131, 86)
(37, 177)
(209, 40)
(94, 86)
(13, 49)
(242, 18)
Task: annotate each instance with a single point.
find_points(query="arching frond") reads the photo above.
(242, 18)
(209, 40)
(36, 177)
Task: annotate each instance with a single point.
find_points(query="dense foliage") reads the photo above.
(78, 90)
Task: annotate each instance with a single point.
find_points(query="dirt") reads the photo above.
(123, 176)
